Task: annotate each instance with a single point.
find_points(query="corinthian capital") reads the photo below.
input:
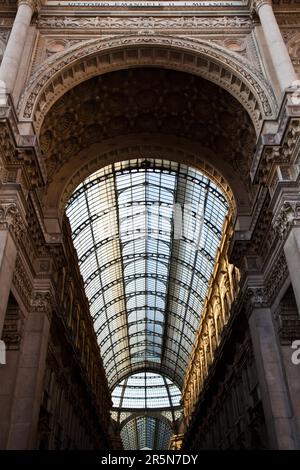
(11, 219)
(288, 215)
(256, 297)
(42, 302)
(33, 4)
(257, 4)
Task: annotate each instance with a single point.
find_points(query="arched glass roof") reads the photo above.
(146, 432)
(146, 394)
(146, 390)
(146, 234)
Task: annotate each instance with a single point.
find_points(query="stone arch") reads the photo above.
(121, 148)
(94, 57)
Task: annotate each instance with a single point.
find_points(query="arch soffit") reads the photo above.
(79, 63)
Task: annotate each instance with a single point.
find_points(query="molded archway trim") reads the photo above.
(65, 70)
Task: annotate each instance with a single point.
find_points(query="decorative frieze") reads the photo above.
(22, 282)
(288, 19)
(6, 21)
(145, 22)
(4, 34)
(277, 276)
(257, 4)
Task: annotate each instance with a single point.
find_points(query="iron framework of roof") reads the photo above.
(146, 234)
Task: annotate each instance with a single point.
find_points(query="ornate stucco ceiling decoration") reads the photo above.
(151, 101)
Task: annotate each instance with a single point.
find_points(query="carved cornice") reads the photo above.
(287, 217)
(11, 219)
(280, 146)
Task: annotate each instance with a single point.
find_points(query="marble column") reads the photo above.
(287, 224)
(10, 230)
(292, 255)
(8, 371)
(8, 255)
(28, 388)
(279, 54)
(279, 416)
(14, 49)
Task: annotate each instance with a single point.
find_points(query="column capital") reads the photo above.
(256, 297)
(287, 216)
(11, 218)
(257, 4)
(35, 5)
(42, 302)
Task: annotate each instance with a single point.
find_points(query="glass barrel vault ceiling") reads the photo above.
(146, 234)
(146, 390)
(134, 401)
(146, 432)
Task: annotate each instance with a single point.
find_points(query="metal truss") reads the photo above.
(146, 286)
